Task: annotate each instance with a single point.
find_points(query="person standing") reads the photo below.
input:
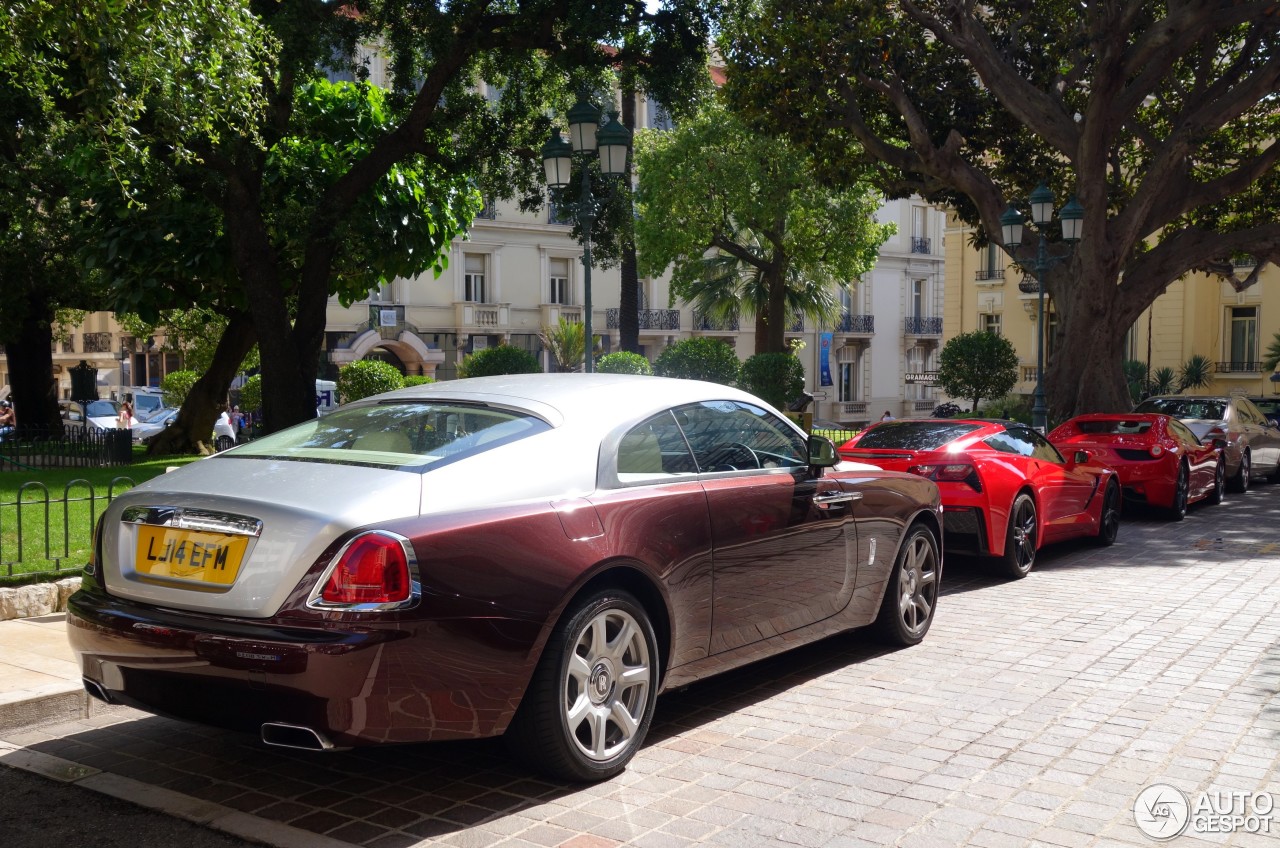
(7, 419)
(888, 416)
(125, 419)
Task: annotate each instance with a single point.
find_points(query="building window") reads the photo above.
(659, 118)
(992, 263)
(558, 270)
(1243, 353)
(473, 287)
(919, 230)
(848, 367)
(917, 299)
(382, 294)
(989, 322)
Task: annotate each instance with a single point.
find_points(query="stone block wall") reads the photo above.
(37, 599)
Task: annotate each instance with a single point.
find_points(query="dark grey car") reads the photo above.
(1250, 440)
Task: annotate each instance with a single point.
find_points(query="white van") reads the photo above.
(326, 396)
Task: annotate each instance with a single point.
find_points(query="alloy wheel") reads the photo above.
(918, 586)
(1023, 524)
(606, 684)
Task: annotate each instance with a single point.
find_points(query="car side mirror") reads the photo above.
(822, 452)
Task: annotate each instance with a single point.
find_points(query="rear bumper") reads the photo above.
(964, 530)
(356, 685)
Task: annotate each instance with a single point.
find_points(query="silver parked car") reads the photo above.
(1250, 441)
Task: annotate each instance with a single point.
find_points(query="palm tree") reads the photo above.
(1163, 381)
(565, 341)
(1195, 374)
(729, 288)
(1271, 358)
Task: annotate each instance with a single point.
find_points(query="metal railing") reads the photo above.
(989, 274)
(37, 516)
(917, 325)
(72, 446)
(1238, 367)
(1029, 285)
(850, 323)
(650, 319)
(920, 245)
(705, 323)
(97, 343)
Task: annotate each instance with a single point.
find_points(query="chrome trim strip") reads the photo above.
(200, 520)
(316, 602)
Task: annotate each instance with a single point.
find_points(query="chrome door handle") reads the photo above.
(826, 499)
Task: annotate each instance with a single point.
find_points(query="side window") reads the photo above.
(1008, 442)
(1250, 413)
(1182, 432)
(1041, 449)
(652, 448)
(733, 436)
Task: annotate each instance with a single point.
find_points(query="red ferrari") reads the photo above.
(1006, 491)
(1158, 459)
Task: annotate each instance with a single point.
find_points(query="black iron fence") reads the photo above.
(40, 532)
(65, 447)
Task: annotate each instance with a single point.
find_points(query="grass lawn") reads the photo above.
(57, 508)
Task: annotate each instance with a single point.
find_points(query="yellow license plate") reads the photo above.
(189, 555)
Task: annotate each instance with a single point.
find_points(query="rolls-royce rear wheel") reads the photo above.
(591, 699)
(912, 594)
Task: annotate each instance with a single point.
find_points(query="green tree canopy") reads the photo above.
(1160, 117)
(977, 365)
(775, 377)
(781, 236)
(366, 378)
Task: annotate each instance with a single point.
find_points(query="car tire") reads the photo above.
(223, 443)
(1240, 482)
(1020, 538)
(1181, 490)
(1109, 519)
(568, 724)
(1219, 483)
(912, 594)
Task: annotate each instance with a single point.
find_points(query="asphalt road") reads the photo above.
(41, 813)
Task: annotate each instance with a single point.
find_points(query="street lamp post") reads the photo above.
(1011, 223)
(611, 143)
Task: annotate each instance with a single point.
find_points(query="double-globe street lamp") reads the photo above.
(611, 143)
(1011, 223)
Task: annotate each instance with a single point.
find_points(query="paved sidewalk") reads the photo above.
(1034, 714)
(39, 679)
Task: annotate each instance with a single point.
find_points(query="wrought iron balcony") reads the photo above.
(921, 245)
(916, 325)
(705, 323)
(796, 323)
(989, 274)
(1239, 367)
(97, 343)
(488, 212)
(650, 319)
(1029, 285)
(864, 325)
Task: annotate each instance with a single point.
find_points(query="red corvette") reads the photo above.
(1158, 459)
(1006, 491)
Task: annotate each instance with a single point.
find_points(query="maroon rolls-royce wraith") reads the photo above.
(536, 556)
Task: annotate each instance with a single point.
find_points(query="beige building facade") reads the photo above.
(1197, 314)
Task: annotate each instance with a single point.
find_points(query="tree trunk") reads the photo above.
(192, 430)
(775, 338)
(629, 294)
(34, 391)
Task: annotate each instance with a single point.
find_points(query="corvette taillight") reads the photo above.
(953, 472)
(1157, 450)
(372, 569)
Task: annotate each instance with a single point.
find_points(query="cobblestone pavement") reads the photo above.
(1033, 714)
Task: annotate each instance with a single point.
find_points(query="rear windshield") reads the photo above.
(1187, 408)
(408, 435)
(914, 435)
(102, 409)
(1114, 426)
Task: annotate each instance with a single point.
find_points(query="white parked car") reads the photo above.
(96, 414)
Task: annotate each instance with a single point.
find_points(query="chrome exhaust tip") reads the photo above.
(95, 689)
(281, 735)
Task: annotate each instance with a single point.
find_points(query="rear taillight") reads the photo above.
(1214, 433)
(952, 472)
(91, 568)
(1156, 450)
(372, 569)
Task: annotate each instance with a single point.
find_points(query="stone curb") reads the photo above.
(36, 599)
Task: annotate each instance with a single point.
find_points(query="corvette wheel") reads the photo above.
(912, 594)
(1020, 540)
(1178, 510)
(1240, 482)
(1109, 521)
(1219, 483)
(591, 699)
